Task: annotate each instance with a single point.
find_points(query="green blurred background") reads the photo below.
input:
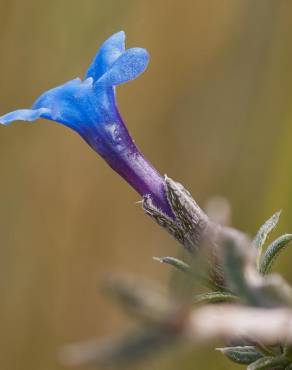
(213, 111)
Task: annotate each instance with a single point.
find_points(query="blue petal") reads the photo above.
(127, 67)
(24, 115)
(110, 50)
(69, 103)
(77, 105)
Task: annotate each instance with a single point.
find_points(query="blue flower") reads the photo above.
(89, 107)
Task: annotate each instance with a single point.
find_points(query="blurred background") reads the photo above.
(213, 111)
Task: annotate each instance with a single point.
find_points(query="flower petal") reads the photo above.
(77, 105)
(127, 67)
(67, 103)
(24, 115)
(110, 50)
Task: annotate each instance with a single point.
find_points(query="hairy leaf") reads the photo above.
(194, 271)
(265, 363)
(272, 252)
(241, 355)
(215, 297)
(265, 230)
(175, 262)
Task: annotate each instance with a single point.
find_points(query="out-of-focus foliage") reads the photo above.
(250, 311)
(213, 111)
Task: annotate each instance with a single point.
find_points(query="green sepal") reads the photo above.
(241, 355)
(272, 252)
(266, 363)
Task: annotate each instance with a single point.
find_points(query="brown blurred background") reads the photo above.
(213, 111)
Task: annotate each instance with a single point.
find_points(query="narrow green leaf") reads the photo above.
(241, 355)
(175, 262)
(272, 252)
(266, 363)
(215, 297)
(269, 291)
(194, 272)
(265, 230)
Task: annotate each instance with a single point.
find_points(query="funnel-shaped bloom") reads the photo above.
(89, 107)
